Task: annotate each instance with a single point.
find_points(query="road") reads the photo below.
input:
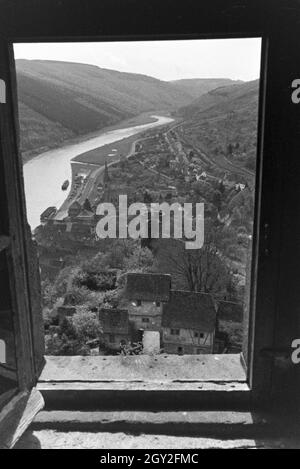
(89, 190)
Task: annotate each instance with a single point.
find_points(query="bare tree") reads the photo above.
(200, 270)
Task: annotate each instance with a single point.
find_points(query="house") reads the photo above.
(146, 293)
(188, 323)
(115, 326)
(86, 217)
(74, 209)
(81, 231)
(230, 311)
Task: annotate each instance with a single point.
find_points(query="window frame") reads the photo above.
(229, 19)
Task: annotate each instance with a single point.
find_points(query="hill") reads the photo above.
(223, 123)
(196, 87)
(223, 99)
(61, 100)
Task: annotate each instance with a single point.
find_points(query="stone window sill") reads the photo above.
(143, 381)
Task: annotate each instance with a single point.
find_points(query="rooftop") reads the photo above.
(230, 311)
(148, 287)
(189, 310)
(85, 214)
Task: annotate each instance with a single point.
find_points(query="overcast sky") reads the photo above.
(167, 60)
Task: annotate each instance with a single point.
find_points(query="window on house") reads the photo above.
(145, 320)
(175, 332)
(198, 335)
(139, 302)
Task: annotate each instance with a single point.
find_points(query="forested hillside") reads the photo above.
(60, 100)
(224, 121)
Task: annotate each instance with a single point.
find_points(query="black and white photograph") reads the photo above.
(149, 227)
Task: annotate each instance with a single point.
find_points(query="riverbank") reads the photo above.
(112, 151)
(141, 119)
(44, 175)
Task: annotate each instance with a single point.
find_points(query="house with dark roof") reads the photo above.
(74, 209)
(145, 294)
(188, 323)
(81, 231)
(86, 216)
(115, 328)
(230, 311)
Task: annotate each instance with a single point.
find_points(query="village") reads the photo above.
(159, 169)
(157, 311)
(153, 318)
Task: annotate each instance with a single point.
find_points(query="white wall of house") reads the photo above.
(191, 341)
(151, 342)
(146, 316)
(113, 341)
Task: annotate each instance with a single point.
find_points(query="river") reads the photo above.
(45, 173)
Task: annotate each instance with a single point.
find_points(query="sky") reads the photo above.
(238, 59)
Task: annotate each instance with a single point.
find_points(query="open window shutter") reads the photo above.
(34, 289)
(20, 305)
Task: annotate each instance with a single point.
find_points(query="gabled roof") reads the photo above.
(85, 214)
(148, 287)
(189, 310)
(230, 311)
(114, 321)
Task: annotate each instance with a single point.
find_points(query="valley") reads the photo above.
(200, 149)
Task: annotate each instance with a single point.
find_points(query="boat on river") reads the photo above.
(65, 185)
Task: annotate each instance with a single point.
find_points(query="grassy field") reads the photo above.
(123, 147)
(100, 154)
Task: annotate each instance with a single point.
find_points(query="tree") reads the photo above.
(217, 199)
(86, 325)
(74, 333)
(87, 205)
(141, 260)
(229, 149)
(200, 270)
